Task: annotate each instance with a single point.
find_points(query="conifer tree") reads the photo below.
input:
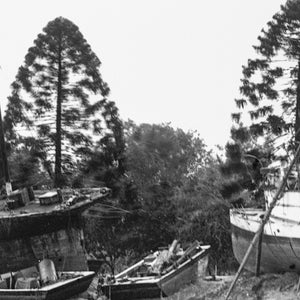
(270, 93)
(59, 95)
(241, 171)
(271, 82)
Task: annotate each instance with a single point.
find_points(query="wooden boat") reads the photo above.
(280, 241)
(73, 284)
(130, 285)
(39, 224)
(31, 232)
(280, 248)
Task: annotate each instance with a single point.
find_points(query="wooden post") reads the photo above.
(258, 255)
(4, 158)
(264, 221)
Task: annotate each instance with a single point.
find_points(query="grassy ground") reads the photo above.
(248, 287)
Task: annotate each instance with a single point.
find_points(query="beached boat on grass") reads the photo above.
(35, 225)
(69, 284)
(280, 247)
(34, 230)
(31, 232)
(137, 282)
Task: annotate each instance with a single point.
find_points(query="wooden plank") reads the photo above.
(258, 256)
(125, 272)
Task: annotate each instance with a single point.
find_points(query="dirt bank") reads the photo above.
(268, 287)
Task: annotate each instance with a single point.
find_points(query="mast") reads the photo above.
(4, 158)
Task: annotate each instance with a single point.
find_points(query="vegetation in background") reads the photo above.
(242, 180)
(170, 190)
(271, 82)
(25, 166)
(162, 162)
(203, 214)
(59, 96)
(270, 93)
(165, 183)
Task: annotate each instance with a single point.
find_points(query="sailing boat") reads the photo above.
(42, 252)
(280, 244)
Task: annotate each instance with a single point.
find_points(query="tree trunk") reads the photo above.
(3, 153)
(297, 123)
(58, 174)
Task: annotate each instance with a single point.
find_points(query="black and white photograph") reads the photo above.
(150, 150)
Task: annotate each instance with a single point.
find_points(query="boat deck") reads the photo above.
(34, 207)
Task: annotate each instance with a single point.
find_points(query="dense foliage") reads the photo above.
(59, 95)
(270, 93)
(271, 81)
(170, 191)
(242, 179)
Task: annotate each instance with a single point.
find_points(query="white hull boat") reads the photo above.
(280, 248)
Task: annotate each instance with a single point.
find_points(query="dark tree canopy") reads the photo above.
(59, 95)
(158, 153)
(241, 171)
(271, 82)
(270, 92)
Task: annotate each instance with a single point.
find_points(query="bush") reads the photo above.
(212, 226)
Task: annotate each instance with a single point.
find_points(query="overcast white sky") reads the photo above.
(175, 61)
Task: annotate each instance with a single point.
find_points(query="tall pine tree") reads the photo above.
(56, 96)
(271, 82)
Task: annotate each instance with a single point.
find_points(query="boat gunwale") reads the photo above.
(55, 209)
(165, 277)
(235, 212)
(53, 286)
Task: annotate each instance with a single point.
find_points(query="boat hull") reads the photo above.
(183, 276)
(63, 247)
(163, 286)
(32, 232)
(280, 250)
(57, 291)
(35, 219)
(287, 207)
(148, 290)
